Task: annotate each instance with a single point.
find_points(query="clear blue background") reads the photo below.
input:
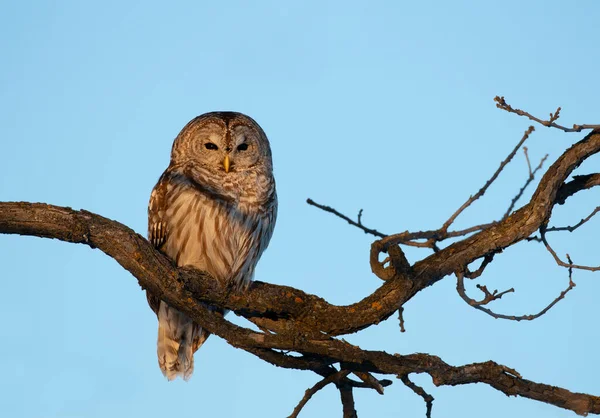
(385, 106)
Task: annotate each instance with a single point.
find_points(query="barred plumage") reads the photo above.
(213, 208)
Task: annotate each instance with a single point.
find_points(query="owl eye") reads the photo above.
(211, 146)
(242, 147)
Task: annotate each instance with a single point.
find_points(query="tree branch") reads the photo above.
(357, 223)
(347, 401)
(488, 297)
(421, 392)
(577, 184)
(577, 225)
(155, 272)
(482, 191)
(515, 199)
(283, 303)
(317, 387)
(550, 123)
(304, 323)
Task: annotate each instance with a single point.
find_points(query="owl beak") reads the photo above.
(226, 163)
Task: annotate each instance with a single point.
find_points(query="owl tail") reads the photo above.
(178, 339)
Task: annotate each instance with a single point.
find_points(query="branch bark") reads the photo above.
(305, 323)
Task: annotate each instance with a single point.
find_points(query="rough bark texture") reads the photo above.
(307, 324)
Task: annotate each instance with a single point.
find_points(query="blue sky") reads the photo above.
(385, 106)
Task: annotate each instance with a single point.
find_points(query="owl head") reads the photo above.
(224, 143)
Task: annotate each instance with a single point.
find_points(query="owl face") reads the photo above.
(227, 143)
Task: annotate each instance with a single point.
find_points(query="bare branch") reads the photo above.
(304, 324)
(320, 385)
(460, 288)
(344, 217)
(347, 401)
(487, 295)
(401, 318)
(577, 184)
(515, 199)
(482, 191)
(559, 261)
(283, 303)
(404, 238)
(176, 287)
(369, 381)
(577, 225)
(419, 391)
(487, 259)
(501, 104)
(525, 149)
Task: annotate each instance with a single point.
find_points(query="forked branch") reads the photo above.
(550, 123)
(306, 325)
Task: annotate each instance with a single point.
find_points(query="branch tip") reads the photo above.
(419, 391)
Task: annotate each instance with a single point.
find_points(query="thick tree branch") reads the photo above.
(136, 255)
(520, 225)
(347, 398)
(578, 183)
(156, 273)
(304, 323)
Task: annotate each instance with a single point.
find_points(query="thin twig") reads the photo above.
(501, 104)
(362, 385)
(401, 318)
(559, 261)
(460, 287)
(574, 227)
(369, 381)
(419, 391)
(533, 238)
(482, 191)
(487, 295)
(515, 199)
(525, 149)
(404, 238)
(317, 387)
(347, 219)
(487, 259)
(491, 296)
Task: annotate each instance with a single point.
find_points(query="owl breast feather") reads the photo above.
(212, 235)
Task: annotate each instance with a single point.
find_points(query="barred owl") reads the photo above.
(214, 208)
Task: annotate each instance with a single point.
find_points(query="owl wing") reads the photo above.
(157, 227)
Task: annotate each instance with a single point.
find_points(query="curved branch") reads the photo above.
(301, 317)
(317, 387)
(578, 183)
(155, 272)
(310, 312)
(520, 225)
